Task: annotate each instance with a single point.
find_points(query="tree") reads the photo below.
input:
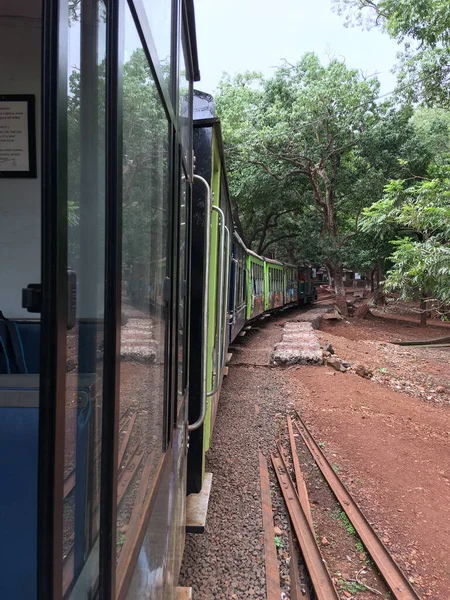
(304, 127)
(265, 210)
(424, 29)
(419, 212)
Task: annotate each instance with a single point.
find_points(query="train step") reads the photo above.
(197, 507)
(183, 593)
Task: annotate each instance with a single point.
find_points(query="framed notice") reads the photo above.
(17, 136)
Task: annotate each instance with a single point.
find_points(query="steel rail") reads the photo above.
(204, 366)
(320, 577)
(434, 342)
(273, 591)
(298, 592)
(393, 576)
(219, 319)
(301, 485)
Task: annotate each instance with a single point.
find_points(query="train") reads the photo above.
(123, 284)
(231, 286)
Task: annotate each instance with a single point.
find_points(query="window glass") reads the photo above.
(86, 261)
(185, 106)
(159, 15)
(145, 222)
(182, 284)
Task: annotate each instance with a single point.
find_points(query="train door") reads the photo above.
(52, 189)
(94, 268)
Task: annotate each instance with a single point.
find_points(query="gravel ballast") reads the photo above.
(227, 561)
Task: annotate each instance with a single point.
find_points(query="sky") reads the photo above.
(255, 35)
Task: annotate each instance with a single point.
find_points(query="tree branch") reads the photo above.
(286, 236)
(350, 235)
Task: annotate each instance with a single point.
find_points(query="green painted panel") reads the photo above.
(255, 290)
(212, 293)
(273, 279)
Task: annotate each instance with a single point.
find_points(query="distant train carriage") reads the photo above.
(290, 284)
(238, 287)
(306, 288)
(274, 282)
(255, 285)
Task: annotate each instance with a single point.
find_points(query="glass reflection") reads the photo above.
(145, 227)
(185, 107)
(86, 260)
(183, 290)
(159, 15)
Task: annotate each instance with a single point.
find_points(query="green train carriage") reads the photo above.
(274, 284)
(290, 284)
(255, 285)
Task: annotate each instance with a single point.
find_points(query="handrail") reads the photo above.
(204, 367)
(219, 316)
(227, 290)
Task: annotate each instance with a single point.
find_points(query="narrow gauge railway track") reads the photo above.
(396, 581)
(320, 577)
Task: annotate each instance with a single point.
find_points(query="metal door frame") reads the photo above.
(54, 304)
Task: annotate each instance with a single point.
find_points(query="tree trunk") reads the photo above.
(330, 278)
(378, 297)
(423, 312)
(362, 310)
(372, 281)
(337, 273)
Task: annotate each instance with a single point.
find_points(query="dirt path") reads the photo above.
(420, 372)
(393, 451)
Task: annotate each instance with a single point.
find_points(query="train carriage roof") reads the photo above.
(251, 253)
(273, 262)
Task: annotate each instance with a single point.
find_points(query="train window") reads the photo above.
(86, 259)
(145, 208)
(182, 273)
(159, 16)
(185, 108)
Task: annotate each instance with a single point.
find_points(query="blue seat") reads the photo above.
(19, 430)
(30, 335)
(19, 421)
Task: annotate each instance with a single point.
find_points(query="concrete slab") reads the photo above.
(183, 593)
(299, 345)
(197, 507)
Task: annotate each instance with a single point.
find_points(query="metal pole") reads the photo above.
(219, 316)
(201, 418)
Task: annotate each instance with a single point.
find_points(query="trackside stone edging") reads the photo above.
(299, 343)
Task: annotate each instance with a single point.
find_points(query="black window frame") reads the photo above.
(54, 267)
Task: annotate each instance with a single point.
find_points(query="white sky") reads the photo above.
(254, 35)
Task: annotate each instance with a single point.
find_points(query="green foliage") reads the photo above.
(308, 149)
(351, 586)
(424, 28)
(294, 143)
(426, 21)
(418, 212)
